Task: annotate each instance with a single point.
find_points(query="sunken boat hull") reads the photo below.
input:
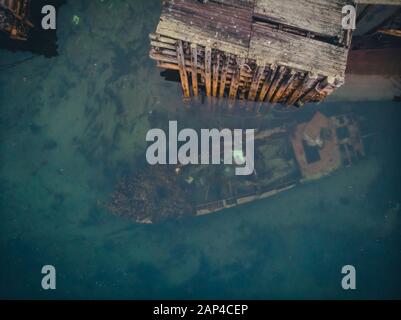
(285, 157)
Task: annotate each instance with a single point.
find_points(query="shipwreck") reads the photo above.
(276, 51)
(285, 156)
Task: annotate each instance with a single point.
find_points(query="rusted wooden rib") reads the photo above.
(266, 85)
(256, 82)
(216, 67)
(182, 69)
(308, 83)
(160, 38)
(158, 44)
(327, 87)
(170, 57)
(296, 82)
(208, 71)
(321, 90)
(309, 96)
(284, 86)
(235, 83)
(281, 72)
(194, 71)
(224, 75)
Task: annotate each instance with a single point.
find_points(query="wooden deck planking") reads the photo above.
(270, 46)
(245, 53)
(319, 16)
(225, 28)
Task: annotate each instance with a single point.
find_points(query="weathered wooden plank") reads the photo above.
(159, 37)
(326, 87)
(169, 63)
(183, 71)
(228, 27)
(224, 75)
(281, 72)
(256, 82)
(390, 32)
(169, 56)
(269, 46)
(310, 96)
(237, 3)
(235, 83)
(296, 82)
(158, 44)
(216, 67)
(208, 70)
(171, 66)
(268, 80)
(382, 2)
(308, 83)
(322, 17)
(194, 70)
(284, 86)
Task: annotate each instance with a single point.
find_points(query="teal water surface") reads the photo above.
(72, 125)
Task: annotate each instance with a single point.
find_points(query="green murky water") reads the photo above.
(70, 126)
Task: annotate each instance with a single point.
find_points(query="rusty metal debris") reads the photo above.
(150, 196)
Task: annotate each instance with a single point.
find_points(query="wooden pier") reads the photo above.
(277, 51)
(14, 19)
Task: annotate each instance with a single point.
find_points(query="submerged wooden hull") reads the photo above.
(342, 146)
(284, 158)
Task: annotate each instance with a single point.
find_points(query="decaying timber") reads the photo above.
(392, 25)
(14, 19)
(151, 195)
(278, 51)
(285, 157)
